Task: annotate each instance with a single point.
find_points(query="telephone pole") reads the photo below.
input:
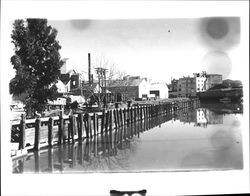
(101, 74)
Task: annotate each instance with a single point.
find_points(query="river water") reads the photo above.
(207, 138)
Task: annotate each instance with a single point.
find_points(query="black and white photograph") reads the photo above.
(149, 95)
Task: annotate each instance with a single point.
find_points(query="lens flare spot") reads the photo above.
(217, 62)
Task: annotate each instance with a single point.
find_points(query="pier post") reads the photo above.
(135, 114)
(115, 119)
(86, 121)
(111, 127)
(50, 131)
(60, 128)
(73, 129)
(131, 115)
(103, 121)
(107, 121)
(89, 126)
(37, 133)
(22, 129)
(118, 118)
(121, 117)
(95, 123)
(80, 128)
(124, 117)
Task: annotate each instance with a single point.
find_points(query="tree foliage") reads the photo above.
(37, 62)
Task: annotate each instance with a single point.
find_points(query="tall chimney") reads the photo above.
(89, 60)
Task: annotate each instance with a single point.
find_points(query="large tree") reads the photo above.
(37, 62)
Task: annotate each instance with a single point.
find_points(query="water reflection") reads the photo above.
(169, 142)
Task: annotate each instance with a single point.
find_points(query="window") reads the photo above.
(74, 82)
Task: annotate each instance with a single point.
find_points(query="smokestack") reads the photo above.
(89, 60)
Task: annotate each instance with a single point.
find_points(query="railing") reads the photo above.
(40, 132)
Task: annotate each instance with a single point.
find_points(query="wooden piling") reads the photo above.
(125, 117)
(80, 127)
(121, 117)
(50, 131)
(86, 124)
(60, 128)
(95, 123)
(107, 121)
(22, 130)
(103, 121)
(111, 127)
(131, 115)
(118, 118)
(37, 133)
(115, 119)
(72, 127)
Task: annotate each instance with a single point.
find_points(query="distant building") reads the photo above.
(186, 87)
(190, 86)
(61, 87)
(172, 89)
(71, 78)
(200, 79)
(213, 80)
(129, 87)
(160, 90)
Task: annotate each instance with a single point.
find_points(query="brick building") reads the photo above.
(190, 86)
(172, 89)
(186, 87)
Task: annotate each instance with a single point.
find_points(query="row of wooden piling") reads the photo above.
(65, 129)
(83, 152)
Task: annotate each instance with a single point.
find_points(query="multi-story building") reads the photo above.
(186, 87)
(172, 89)
(190, 86)
(212, 80)
(200, 79)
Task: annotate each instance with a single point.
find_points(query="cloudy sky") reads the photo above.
(154, 48)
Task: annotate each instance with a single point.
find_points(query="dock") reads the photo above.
(38, 133)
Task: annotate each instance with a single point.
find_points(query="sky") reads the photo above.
(155, 48)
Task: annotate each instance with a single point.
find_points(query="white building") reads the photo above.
(201, 79)
(159, 89)
(61, 87)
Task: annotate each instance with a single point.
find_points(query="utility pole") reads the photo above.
(101, 73)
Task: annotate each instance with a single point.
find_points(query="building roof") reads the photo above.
(129, 82)
(87, 87)
(158, 85)
(214, 75)
(65, 78)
